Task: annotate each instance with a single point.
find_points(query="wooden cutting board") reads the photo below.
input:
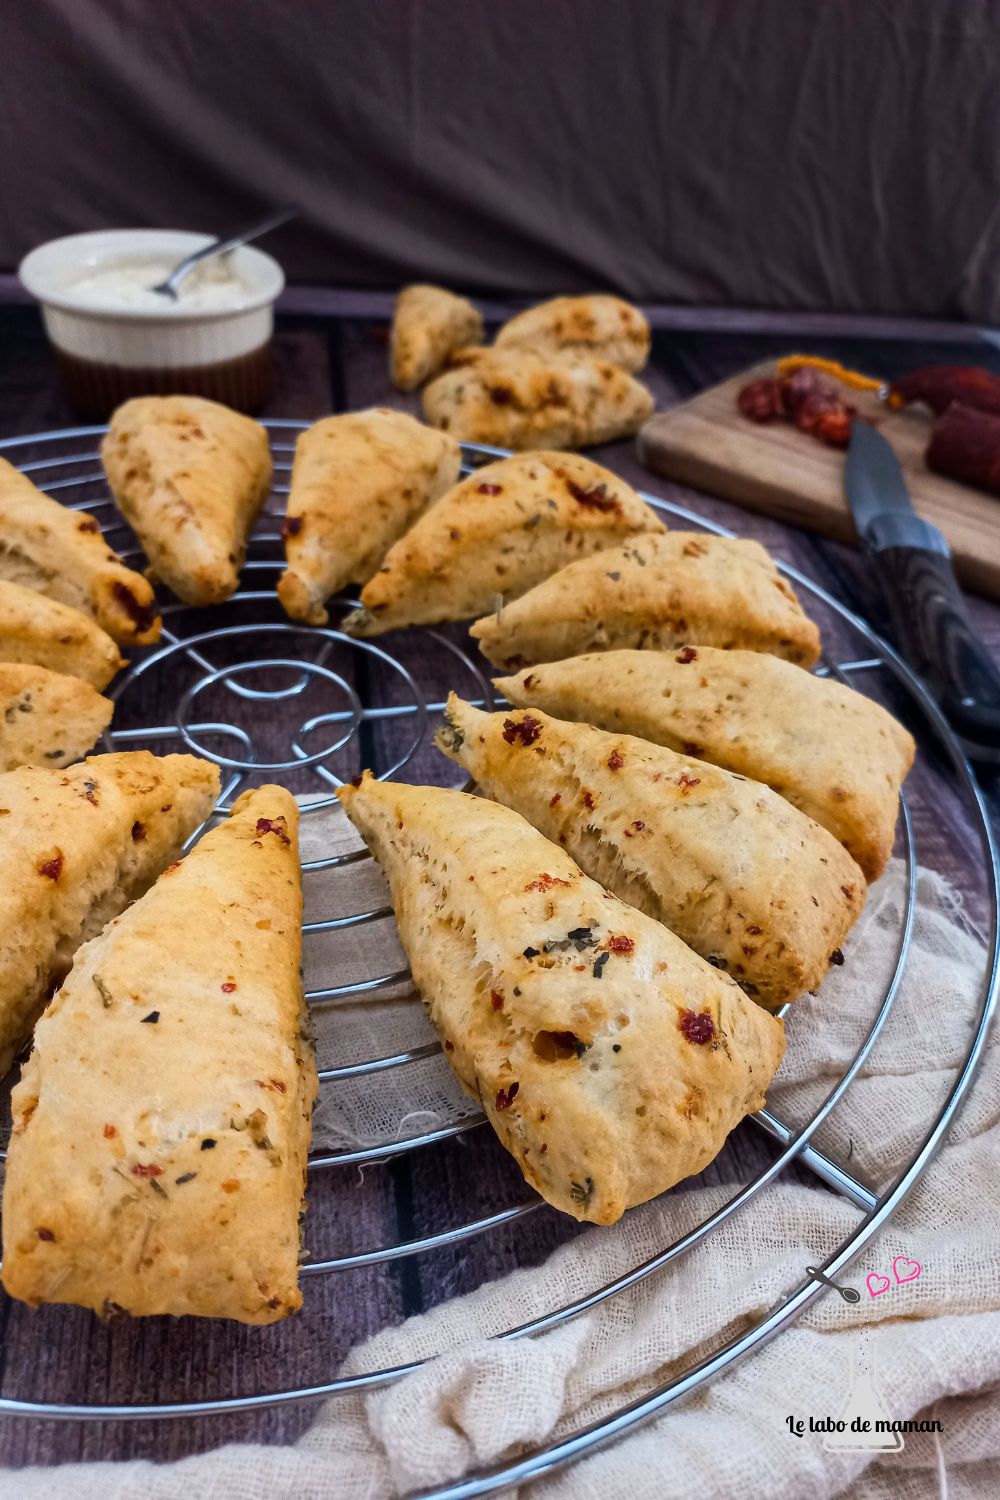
(785, 473)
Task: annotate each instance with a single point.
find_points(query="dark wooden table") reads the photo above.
(331, 355)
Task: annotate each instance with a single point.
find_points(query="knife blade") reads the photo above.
(930, 621)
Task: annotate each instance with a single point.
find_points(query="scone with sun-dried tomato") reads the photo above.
(162, 1122)
(610, 1060)
(61, 553)
(38, 631)
(190, 477)
(598, 327)
(499, 532)
(46, 718)
(521, 398)
(77, 846)
(746, 880)
(831, 751)
(428, 324)
(358, 481)
(655, 593)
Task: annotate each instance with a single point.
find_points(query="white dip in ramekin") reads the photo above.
(114, 337)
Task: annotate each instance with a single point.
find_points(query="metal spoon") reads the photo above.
(168, 288)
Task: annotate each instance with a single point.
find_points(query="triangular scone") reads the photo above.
(76, 847)
(653, 594)
(517, 398)
(500, 531)
(358, 481)
(831, 751)
(162, 1122)
(610, 1060)
(41, 632)
(190, 477)
(428, 324)
(600, 327)
(738, 873)
(47, 719)
(61, 553)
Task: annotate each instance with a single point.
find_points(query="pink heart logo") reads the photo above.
(905, 1269)
(872, 1283)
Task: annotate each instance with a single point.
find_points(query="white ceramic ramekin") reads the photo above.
(107, 353)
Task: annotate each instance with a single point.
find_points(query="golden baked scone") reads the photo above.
(41, 632)
(500, 531)
(190, 477)
(600, 327)
(158, 1157)
(738, 873)
(610, 1060)
(77, 847)
(518, 398)
(358, 481)
(428, 324)
(62, 554)
(655, 593)
(832, 752)
(47, 719)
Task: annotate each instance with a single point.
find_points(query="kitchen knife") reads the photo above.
(930, 622)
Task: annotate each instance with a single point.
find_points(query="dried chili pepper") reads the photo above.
(545, 882)
(619, 943)
(937, 386)
(801, 393)
(965, 445)
(526, 730)
(817, 407)
(141, 615)
(273, 825)
(505, 1097)
(597, 497)
(698, 1028)
(760, 400)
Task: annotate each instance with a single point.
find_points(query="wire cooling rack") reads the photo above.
(205, 688)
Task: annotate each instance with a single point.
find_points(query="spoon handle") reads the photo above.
(230, 242)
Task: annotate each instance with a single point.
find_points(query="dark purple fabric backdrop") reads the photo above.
(839, 154)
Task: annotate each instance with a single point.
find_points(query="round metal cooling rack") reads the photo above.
(246, 653)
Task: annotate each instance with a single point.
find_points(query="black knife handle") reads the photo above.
(934, 633)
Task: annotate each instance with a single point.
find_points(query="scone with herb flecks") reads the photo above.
(428, 324)
(498, 533)
(597, 326)
(835, 754)
(359, 480)
(520, 398)
(655, 593)
(161, 1125)
(61, 553)
(46, 718)
(610, 1060)
(39, 631)
(190, 477)
(77, 846)
(743, 877)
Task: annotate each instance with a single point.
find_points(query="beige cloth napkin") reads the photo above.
(936, 1338)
